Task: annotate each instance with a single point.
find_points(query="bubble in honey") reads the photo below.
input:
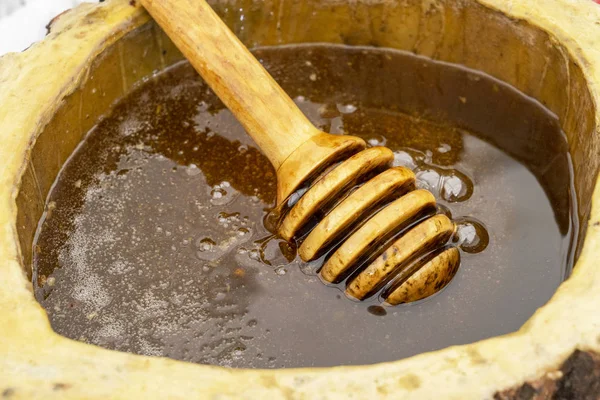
(280, 270)
(452, 186)
(237, 352)
(252, 322)
(243, 231)
(471, 235)
(205, 244)
(429, 179)
(204, 248)
(404, 159)
(192, 170)
(227, 219)
(217, 193)
(456, 187)
(346, 108)
(377, 140)
(222, 194)
(444, 148)
(254, 254)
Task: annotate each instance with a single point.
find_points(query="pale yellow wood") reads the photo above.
(312, 157)
(325, 190)
(395, 214)
(393, 182)
(432, 277)
(429, 233)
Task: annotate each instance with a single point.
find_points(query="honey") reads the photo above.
(153, 239)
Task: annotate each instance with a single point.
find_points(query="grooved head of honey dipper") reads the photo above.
(312, 157)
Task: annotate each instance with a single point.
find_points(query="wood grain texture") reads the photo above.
(425, 236)
(375, 230)
(327, 188)
(385, 186)
(429, 279)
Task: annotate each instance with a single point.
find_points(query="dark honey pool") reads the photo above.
(153, 242)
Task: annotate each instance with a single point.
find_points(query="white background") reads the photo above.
(23, 22)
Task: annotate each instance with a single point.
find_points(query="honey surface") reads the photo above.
(153, 240)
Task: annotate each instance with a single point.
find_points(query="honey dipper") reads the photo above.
(383, 234)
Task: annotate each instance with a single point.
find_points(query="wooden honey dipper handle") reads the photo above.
(299, 151)
(295, 147)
